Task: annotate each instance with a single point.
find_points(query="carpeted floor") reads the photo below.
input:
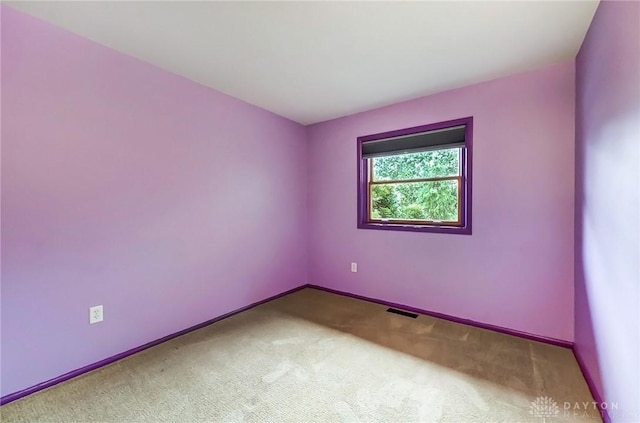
(318, 357)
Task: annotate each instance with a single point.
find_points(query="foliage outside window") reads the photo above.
(417, 179)
(419, 188)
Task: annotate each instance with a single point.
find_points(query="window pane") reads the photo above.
(433, 200)
(427, 164)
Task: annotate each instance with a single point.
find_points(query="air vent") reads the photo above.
(402, 313)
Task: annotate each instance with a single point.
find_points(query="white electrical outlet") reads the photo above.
(95, 314)
(354, 267)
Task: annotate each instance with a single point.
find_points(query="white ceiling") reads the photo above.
(314, 61)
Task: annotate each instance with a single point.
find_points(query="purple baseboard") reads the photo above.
(566, 344)
(552, 341)
(558, 342)
(62, 378)
(592, 385)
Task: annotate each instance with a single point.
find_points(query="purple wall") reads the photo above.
(171, 203)
(516, 270)
(124, 185)
(607, 291)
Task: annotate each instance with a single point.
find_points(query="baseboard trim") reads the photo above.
(530, 336)
(94, 366)
(553, 341)
(592, 385)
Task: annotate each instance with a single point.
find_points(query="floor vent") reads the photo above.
(402, 313)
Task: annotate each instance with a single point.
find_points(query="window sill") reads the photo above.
(415, 228)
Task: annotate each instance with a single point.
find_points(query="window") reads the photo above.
(417, 179)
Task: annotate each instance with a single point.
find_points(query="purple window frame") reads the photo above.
(467, 161)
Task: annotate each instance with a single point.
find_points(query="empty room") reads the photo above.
(320, 211)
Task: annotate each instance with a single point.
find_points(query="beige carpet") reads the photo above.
(318, 357)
